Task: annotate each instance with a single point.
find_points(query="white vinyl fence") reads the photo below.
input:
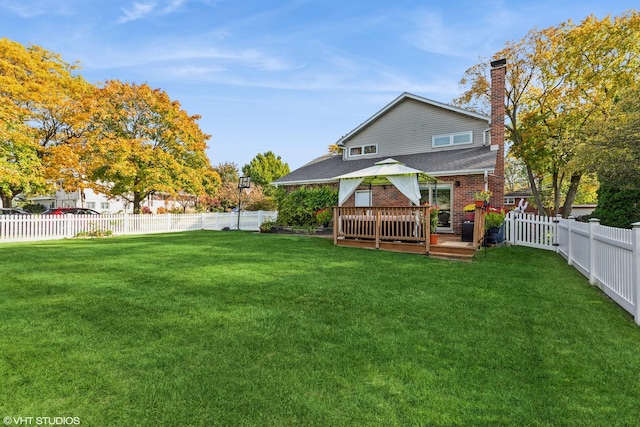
(608, 256)
(23, 228)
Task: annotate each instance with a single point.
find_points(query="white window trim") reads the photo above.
(362, 147)
(451, 136)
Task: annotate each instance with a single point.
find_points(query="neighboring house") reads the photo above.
(99, 202)
(462, 150)
(85, 199)
(512, 199)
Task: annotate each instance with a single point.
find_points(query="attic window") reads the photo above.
(361, 150)
(452, 139)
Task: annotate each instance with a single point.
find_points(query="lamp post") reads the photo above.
(243, 182)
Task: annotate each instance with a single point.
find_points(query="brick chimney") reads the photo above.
(496, 182)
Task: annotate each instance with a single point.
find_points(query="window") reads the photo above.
(91, 205)
(509, 200)
(452, 139)
(363, 198)
(104, 205)
(363, 149)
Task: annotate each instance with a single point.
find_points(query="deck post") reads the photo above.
(427, 230)
(335, 224)
(478, 226)
(378, 224)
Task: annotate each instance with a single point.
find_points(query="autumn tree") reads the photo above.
(40, 119)
(144, 143)
(563, 83)
(228, 172)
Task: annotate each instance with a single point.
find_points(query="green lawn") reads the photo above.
(246, 329)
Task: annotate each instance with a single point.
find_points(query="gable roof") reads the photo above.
(404, 96)
(438, 163)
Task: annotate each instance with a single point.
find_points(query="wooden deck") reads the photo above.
(399, 229)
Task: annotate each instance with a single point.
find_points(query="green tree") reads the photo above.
(264, 169)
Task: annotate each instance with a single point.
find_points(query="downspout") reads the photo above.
(486, 180)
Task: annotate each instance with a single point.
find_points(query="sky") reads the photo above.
(288, 76)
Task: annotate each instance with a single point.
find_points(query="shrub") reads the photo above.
(267, 226)
(324, 216)
(617, 207)
(299, 207)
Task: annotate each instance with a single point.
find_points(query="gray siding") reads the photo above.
(408, 128)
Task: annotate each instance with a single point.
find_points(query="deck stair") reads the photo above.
(451, 247)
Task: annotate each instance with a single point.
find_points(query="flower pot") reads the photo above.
(433, 239)
(494, 235)
(480, 203)
(469, 216)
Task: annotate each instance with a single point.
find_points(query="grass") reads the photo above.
(245, 329)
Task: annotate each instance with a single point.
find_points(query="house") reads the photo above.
(525, 196)
(462, 150)
(88, 198)
(519, 198)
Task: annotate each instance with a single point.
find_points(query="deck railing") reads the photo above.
(404, 224)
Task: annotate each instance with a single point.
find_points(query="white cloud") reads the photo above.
(138, 11)
(172, 5)
(35, 8)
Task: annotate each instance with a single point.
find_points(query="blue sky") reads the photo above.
(290, 76)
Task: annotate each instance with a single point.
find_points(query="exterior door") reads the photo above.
(440, 195)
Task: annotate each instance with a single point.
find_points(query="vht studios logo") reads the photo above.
(41, 421)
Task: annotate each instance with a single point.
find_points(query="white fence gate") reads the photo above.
(23, 228)
(609, 257)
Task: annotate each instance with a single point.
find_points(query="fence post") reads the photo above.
(635, 240)
(69, 226)
(569, 241)
(593, 222)
(512, 227)
(168, 222)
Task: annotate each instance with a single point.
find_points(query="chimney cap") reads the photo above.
(499, 63)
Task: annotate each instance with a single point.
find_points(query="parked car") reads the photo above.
(13, 211)
(70, 211)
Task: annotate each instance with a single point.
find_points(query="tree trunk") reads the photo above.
(138, 198)
(556, 192)
(534, 190)
(6, 201)
(571, 194)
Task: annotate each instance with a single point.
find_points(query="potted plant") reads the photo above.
(493, 220)
(482, 197)
(469, 212)
(433, 225)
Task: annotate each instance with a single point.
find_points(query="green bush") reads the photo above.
(617, 207)
(267, 226)
(299, 207)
